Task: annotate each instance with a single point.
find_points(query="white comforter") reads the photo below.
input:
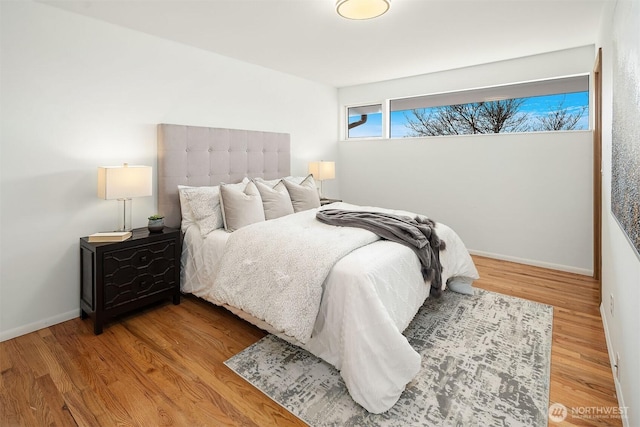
(274, 270)
(370, 296)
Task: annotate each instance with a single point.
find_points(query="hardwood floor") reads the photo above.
(164, 366)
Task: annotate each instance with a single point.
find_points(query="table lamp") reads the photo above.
(322, 171)
(123, 183)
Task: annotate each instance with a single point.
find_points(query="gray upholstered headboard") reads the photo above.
(197, 156)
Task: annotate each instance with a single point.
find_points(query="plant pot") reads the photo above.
(156, 225)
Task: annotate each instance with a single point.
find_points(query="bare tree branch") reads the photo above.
(464, 119)
(560, 118)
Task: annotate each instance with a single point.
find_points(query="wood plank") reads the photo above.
(85, 410)
(165, 365)
(55, 410)
(15, 396)
(202, 352)
(164, 377)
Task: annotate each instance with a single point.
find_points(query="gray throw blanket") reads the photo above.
(417, 233)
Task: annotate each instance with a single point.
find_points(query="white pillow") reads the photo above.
(185, 209)
(275, 199)
(204, 203)
(240, 207)
(208, 219)
(239, 186)
(304, 195)
(271, 182)
(295, 179)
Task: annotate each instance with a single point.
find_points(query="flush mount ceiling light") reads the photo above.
(362, 9)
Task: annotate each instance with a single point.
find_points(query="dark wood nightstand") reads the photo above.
(118, 277)
(327, 201)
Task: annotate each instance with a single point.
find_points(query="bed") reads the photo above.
(368, 294)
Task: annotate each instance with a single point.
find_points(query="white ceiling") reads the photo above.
(308, 39)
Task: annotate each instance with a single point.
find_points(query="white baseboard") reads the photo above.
(560, 267)
(40, 324)
(612, 361)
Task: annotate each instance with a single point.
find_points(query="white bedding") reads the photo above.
(275, 270)
(370, 296)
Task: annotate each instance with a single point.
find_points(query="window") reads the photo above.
(365, 121)
(547, 105)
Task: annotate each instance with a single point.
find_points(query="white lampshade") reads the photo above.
(362, 9)
(123, 182)
(322, 170)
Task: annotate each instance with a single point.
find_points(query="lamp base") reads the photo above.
(320, 193)
(124, 216)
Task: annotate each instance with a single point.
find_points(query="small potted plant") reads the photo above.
(156, 223)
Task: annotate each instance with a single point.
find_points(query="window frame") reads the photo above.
(492, 93)
(385, 122)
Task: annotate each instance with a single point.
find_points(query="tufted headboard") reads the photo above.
(197, 156)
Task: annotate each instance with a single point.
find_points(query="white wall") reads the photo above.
(522, 197)
(621, 266)
(549, 65)
(503, 194)
(79, 93)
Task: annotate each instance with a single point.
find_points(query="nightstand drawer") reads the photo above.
(145, 285)
(138, 272)
(124, 264)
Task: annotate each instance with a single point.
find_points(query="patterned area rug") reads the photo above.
(485, 362)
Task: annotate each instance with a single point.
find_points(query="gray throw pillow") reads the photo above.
(275, 199)
(240, 207)
(304, 195)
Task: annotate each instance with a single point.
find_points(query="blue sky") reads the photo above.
(534, 106)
